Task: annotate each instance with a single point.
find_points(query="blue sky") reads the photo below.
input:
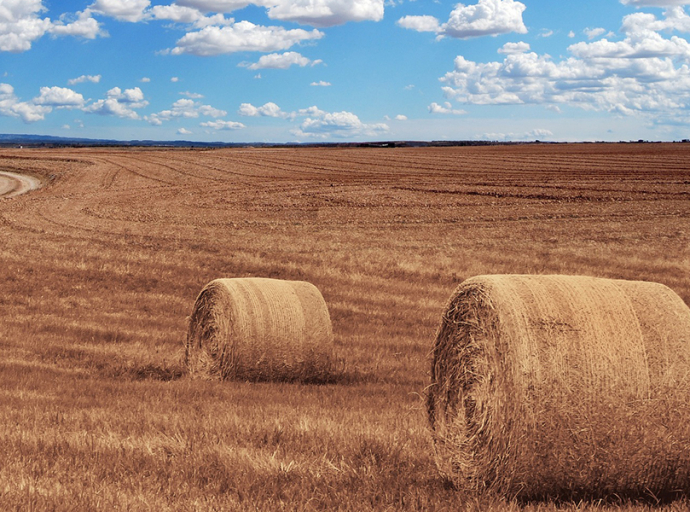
(334, 70)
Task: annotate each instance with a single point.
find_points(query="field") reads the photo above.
(99, 270)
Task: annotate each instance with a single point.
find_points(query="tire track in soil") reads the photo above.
(13, 184)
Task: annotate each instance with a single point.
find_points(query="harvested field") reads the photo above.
(101, 267)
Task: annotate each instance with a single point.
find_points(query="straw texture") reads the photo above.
(562, 387)
(260, 329)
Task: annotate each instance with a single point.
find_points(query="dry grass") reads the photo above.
(260, 329)
(99, 271)
(563, 387)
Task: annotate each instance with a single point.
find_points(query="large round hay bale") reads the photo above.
(260, 329)
(563, 387)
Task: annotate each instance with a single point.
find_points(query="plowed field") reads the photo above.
(101, 266)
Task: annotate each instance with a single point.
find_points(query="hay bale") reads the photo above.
(563, 387)
(261, 330)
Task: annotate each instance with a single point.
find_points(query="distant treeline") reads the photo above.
(48, 141)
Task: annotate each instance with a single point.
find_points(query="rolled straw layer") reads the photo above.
(260, 329)
(563, 387)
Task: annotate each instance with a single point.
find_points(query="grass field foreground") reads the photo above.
(101, 267)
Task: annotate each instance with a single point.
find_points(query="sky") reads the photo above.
(346, 70)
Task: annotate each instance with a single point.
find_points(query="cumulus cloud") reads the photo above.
(320, 83)
(269, 109)
(446, 108)
(223, 125)
(645, 73)
(593, 33)
(325, 125)
(420, 23)
(536, 134)
(185, 108)
(123, 10)
(486, 18)
(85, 78)
(510, 48)
(282, 61)
(59, 97)
(119, 103)
(176, 13)
(187, 15)
(21, 24)
(317, 123)
(325, 13)
(36, 109)
(239, 37)
(317, 13)
(655, 3)
(215, 5)
(84, 25)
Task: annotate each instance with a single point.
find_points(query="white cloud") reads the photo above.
(282, 61)
(59, 97)
(325, 13)
(183, 131)
(185, 108)
(215, 5)
(510, 48)
(318, 123)
(223, 125)
(10, 106)
(643, 74)
(675, 18)
(420, 23)
(486, 18)
(446, 108)
(325, 125)
(655, 3)
(48, 99)
(593, 33)
(536, 134)
(83, 26)
(176, 13)
(119, 103)
(30, 112)
(85, 78)
(241, 36)
(123, 10)
(317, 13)
(269, 109)
(20, 24)
(401, 117)
(188, 15)
(320, 83)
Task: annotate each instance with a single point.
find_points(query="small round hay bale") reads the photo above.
(261, 330)
(563, 387)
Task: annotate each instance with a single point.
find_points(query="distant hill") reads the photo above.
(15, 140)
(51, 141)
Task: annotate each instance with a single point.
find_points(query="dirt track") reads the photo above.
(13, 184)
